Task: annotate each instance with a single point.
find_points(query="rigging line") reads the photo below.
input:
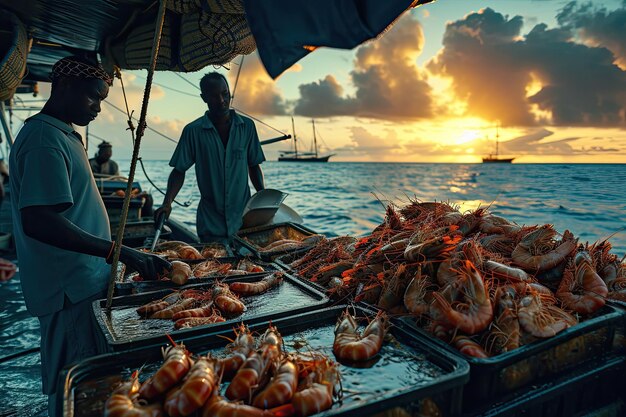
(234, 108)
(186, 80)
(170, 88)
(147, 127)
(232, 97)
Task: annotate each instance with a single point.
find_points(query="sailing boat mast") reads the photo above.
(295, 139)
(314, 137)
(497, 140)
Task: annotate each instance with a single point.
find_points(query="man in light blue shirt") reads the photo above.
(225, 148)
(60, 224)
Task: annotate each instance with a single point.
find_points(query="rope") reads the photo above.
(156, 43)
(232, 96)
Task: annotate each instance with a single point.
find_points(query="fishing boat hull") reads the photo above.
(304, 159)
(497, 160)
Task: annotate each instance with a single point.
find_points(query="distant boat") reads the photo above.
(295, 156)
(494, 158)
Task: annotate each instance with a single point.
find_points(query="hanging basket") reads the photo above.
(14, 48)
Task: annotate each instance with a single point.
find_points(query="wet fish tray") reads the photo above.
(252, 240)
(410, 374)
(124, 329)
(125, 285)
(596, 386)
(494, 377)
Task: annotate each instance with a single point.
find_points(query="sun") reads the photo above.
(467, 136)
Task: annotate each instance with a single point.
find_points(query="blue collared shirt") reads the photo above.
(222, 174)
(49, 166)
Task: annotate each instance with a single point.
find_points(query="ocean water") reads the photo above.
(349, 199)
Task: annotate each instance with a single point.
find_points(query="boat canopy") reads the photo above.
(196, 33)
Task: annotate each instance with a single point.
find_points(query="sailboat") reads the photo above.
(295, 156)
(494, 158)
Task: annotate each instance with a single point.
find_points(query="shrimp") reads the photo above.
(204, 310)
(180, 272)
(280, 389)
(581, 288)
(255, 288)
(254, 371)
(218, 406)
(504, 335)
(468, 347)
(123, 402)
(542, 320)
(209, 268)
(240, 348)
(317, 395)
(471, 316)
(432, 248)
(169, 311)
(351, 346)
(188, 322)
(247, 265)
(538, 252)
(195, 391)
(417, 296)
(506, 272)
(151, 308)
(230, 304)
(176, 365)
(189, 252)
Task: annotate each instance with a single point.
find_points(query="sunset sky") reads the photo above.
(550, 73)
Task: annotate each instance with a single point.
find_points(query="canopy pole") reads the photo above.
(156, 42)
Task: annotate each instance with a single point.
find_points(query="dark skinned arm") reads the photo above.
(256, 176)
(174, 184)
(47, 225)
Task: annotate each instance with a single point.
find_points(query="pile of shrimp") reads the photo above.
(263, 380)
(482, 283)
(193, 307)
(281, 240)
(180, 250)
(182, 272)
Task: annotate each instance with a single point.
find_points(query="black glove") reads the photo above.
(148, 265)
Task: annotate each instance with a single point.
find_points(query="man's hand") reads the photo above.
(149, 266)
(7, 270)
(164, 210)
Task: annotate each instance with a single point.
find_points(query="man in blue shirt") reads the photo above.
(226, 150)
(60, 224)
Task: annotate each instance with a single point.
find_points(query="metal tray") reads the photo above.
(124, 329)
(408, 374)
(253, 239)
(537, 362)
(126, 286)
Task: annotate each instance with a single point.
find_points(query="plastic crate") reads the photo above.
(410, 373)
(124, 329)
(124, 285)
(596, 386)
(494, 377)
(253, 239)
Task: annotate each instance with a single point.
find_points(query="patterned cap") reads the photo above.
(72, 67)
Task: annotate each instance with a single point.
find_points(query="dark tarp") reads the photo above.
(284, 30)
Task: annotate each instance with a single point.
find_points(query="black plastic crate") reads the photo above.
(619, 341)
(124, 329)
(410, 374)
(125, 284)
(595, 386)
(494, 377)
(253, 239)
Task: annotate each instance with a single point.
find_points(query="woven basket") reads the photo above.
(212, 6)
(14, 48)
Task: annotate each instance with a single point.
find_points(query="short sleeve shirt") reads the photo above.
(222, 174)
(49, 166)
(109, 167)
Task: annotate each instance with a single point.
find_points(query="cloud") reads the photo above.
(256, 92)
(598, 26)
(493, 68)
(388, 83)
